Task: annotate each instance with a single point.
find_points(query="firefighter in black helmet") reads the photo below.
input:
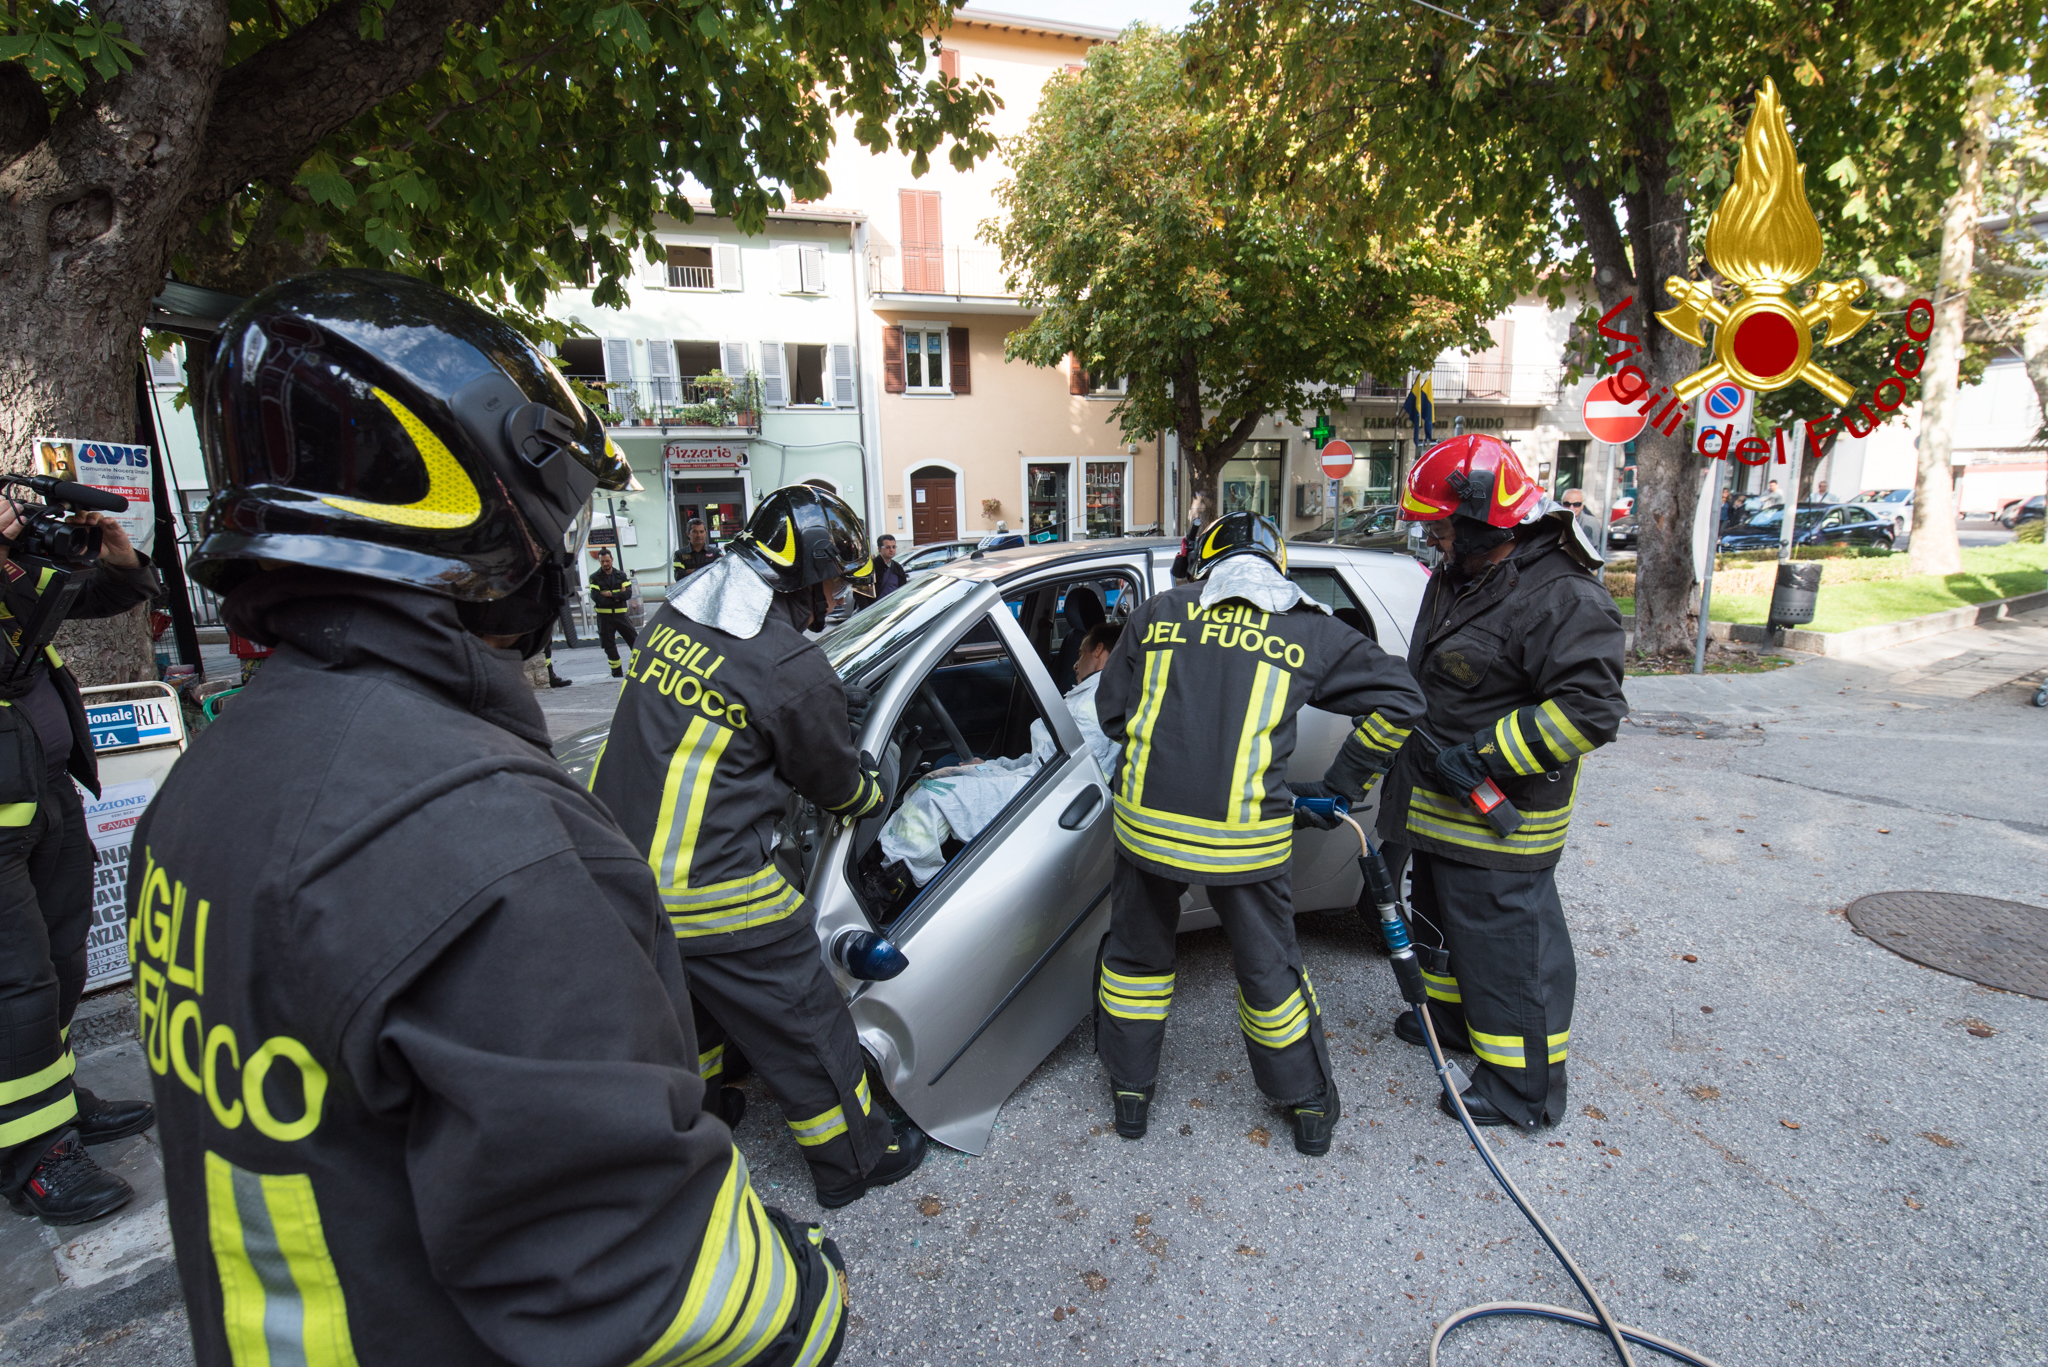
(727, 708)
(422, 1042)
(1202, 692)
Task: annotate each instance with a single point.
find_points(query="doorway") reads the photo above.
(722, 503)
(1047, 516)
(934, 505)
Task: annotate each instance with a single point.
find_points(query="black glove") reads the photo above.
(858, 701)
(1354, 771)
(1305, 817)
(1461, 767)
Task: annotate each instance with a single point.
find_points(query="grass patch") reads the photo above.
(1864, 592)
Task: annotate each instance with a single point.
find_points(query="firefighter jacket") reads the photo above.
(108, 591)
(424, 1068)
(611, 590)
(689, 561)
(711, 733)
(1204, 702)
(1527, 659)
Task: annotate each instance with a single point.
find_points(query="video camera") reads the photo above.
(44, 533)
(71, 549)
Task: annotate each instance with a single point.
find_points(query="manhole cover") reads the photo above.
(1998, 944)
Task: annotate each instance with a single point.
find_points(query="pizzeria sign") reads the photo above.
(682, 456)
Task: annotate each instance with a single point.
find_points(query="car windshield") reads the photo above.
(874, 633)
(1771, 518)
(1884, 495)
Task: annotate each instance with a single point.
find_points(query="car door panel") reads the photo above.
(1000, 943)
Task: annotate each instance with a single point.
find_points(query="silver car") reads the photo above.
(1002, 940)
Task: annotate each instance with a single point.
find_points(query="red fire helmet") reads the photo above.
(1474, 474)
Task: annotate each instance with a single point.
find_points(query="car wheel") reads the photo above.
(1884, 543)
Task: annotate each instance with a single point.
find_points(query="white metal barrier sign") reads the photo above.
(138, 733)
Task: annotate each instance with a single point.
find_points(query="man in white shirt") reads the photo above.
(960, 801)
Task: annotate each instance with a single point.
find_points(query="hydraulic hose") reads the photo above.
(1380, 886)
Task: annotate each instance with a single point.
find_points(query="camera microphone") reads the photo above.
(77, 495)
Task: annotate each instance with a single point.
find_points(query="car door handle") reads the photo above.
(1080, 809)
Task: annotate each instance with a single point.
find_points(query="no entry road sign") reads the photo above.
(1337, 459)
(1609, 419)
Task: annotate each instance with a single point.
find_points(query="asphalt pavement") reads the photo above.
(1786, 1144)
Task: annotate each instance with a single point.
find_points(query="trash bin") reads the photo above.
(1794, 598)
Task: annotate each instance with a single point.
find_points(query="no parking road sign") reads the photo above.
(1724, 402)
(1611, 420)
(1337, 459)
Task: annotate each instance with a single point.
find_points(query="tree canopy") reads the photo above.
(1153, 258)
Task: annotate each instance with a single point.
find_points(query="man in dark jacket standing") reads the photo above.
(46, 863)
(611, 592)
(421, 1038)
(1202, 691)
(728, 708)
(698, 553)
(1519, 651)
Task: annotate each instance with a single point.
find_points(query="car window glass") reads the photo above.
(1834, 519)
(1055, 614)
(967, 746)
(875, 633)
(1327, 587)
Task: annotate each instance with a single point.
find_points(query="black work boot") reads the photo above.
(618, 670)
(899, 1160)
(557, 681)
(730, 1105)
(1482, 1111)
(1315, 1121)
(102, 1122)
(1448, 1034)
(1133, 1108)
(68, 1188)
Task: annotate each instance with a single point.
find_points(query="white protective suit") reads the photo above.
(962, 801)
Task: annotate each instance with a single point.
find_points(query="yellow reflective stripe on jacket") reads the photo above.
(281, 1298)
(1203, 846)
(1279, 1026)
(867, 795)
(1563, 736)
(824, 1325)
(17, 813)
(1536, 740)
(39, 1122)
(711, 1062)
(22, 1088)
(1452, 820)
(1442, 986)
(1510, 744)
(829, 1125)
(736, 904)
(742, 1291)
(1265, 710)
(1502, 1051)
(1138, 750)
(1375, 732)
(714, 908)
(1559, 1045)
(1136, 998)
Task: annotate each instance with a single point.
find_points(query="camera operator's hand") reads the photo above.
(10, 526)
(115, 547)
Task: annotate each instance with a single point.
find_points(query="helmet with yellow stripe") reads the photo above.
(368, 423)
(1235, 534)
(802, 535)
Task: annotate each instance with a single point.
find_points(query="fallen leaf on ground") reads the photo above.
(1884, 830)
(1938, 1140)
(1690, 958)
(1259, 1135)
(1703, 1092)
(1593, 1111)
(1094, 1280)
(1059, 1312)
(1912, 1203)
(1247, 1251)
(1982, 1031)
(1603, 823)
(1789, 1124)
(1418, 1256)
(929, 1206)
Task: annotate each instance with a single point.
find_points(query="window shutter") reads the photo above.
(168, 368)
(813, 261)
(956, 360)
(618, 358)
(734, 358)
(725, 264)
(924, 268)
(892, 360)
(654, 274)
(1077, 375)
(949, 63)
(788, 270)
(843, 395)
(661, 369)
(774, 393)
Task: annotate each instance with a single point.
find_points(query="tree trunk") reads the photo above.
(2034, 349)
(86, 215)
(1935, 549)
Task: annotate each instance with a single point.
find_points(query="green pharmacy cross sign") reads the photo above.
(1321, 433)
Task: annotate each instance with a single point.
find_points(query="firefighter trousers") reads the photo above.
(611, 623)
(1509, 978)
(778, 1004)
(1276, 1004)
(45, 912)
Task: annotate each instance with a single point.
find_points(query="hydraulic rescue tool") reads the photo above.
(1380, 887)
(1485, 796)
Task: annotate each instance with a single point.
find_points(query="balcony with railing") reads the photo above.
(707, 401)
(692, 277)
(967, 272)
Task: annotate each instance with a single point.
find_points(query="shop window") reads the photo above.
(924, 361)
(1251, 483)
(1105, 511)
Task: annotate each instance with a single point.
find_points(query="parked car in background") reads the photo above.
(1621, 533)
(1002, 939)
(2023, 510)
(936, 554)
(1893, 504)
(1377, 528)
(1817, 524)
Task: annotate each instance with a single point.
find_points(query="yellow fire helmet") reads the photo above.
(1236, 534)
(802, 535)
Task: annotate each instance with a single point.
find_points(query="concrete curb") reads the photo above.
(1839, 644)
